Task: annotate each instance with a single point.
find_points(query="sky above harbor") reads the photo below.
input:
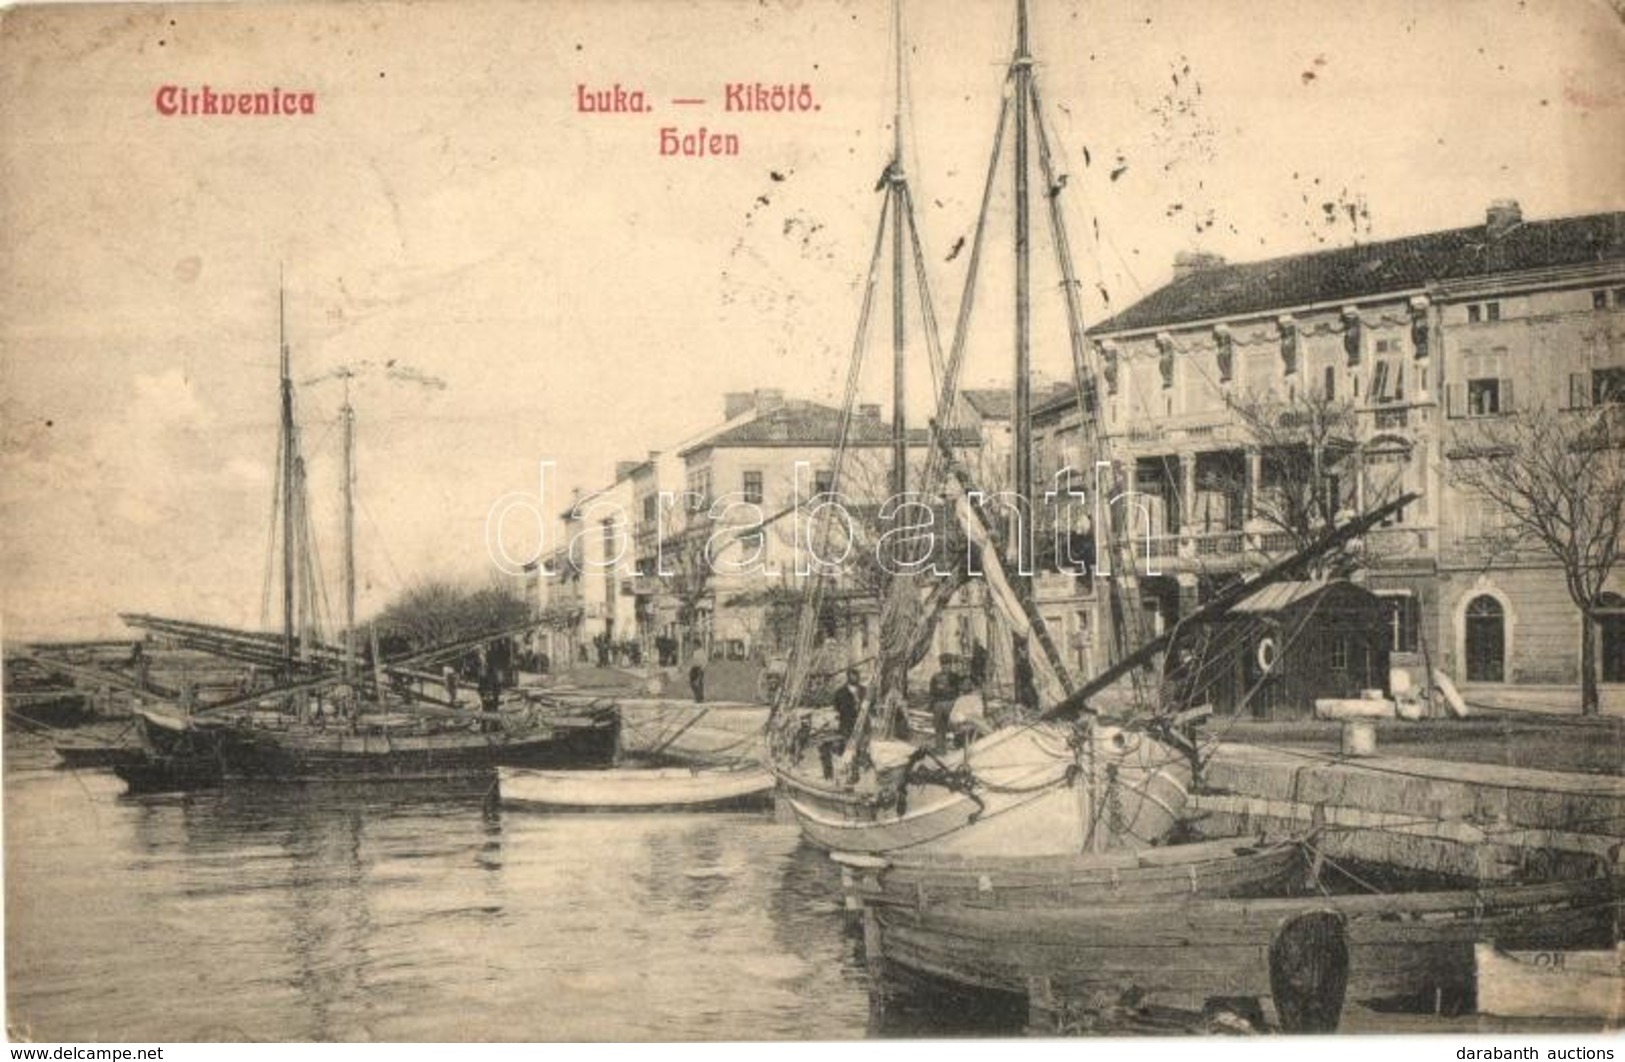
(514, 281)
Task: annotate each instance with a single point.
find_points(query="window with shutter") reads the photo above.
(1379, 381)
(1455, 403)
(1579, 390)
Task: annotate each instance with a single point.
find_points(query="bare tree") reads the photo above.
(686, 568)
(1308, 461)
(1559, 480)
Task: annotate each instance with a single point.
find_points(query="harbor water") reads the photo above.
(260, 912)
(338, 912)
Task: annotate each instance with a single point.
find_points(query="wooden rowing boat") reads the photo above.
(653, 789)
(1218, 868)
(1187, 952)
(1552, 984)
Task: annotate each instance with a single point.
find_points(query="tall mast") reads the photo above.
(288, 485)
(347, 415)
(1021, 441)
(899, 426)
(1021, 455)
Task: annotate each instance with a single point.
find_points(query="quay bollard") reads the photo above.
(1359, 737)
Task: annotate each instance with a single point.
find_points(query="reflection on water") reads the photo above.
(334, 913)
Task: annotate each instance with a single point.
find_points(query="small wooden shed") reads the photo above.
(1278, 650)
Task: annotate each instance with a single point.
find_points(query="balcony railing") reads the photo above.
(1220, 543)
(1392, 418)
(1277, 542)
(1389, 541)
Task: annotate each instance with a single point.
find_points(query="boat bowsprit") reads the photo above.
(653, 789)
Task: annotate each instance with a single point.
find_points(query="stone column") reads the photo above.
(1189, 593)
(1187, 491)
(1255, 475)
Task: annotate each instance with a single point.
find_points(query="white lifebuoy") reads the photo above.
(1268, 655)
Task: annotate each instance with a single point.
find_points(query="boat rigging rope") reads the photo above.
(807, 625)
(967, 298)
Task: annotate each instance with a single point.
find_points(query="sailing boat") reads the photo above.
(331, 718)
(1039, 786)
(1067, 781)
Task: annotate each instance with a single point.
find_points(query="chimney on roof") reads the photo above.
(1502, 217)
(624, 468)
(736, 402)
(1188, 262)
(768, 399)
(869, 410)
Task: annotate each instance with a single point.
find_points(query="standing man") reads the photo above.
(944, 691)
(848, 703)
(696, 676)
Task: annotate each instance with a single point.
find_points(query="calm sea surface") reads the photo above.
(337, 913)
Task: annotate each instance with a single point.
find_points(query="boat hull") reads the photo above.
(254, 751)
(52, 710)
(86, 757)
(1184, 953)
(258, 753)
(165, 774)
(1552, 984)
(635, 790)
(1222, 868)
(1030, 799)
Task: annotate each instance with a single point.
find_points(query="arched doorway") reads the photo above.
(1611, 635)
(1486, 640)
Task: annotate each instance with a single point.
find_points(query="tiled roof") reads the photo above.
(802, 423)
(1350, 273)
(1060, 399)
(1277, 596)
(990, 403)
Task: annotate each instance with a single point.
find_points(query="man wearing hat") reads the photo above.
(944, 690)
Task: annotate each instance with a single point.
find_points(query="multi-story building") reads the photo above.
(1239, 396)
(651, 560)
(740, 580)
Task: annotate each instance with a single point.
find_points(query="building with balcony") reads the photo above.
(1243, 405)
